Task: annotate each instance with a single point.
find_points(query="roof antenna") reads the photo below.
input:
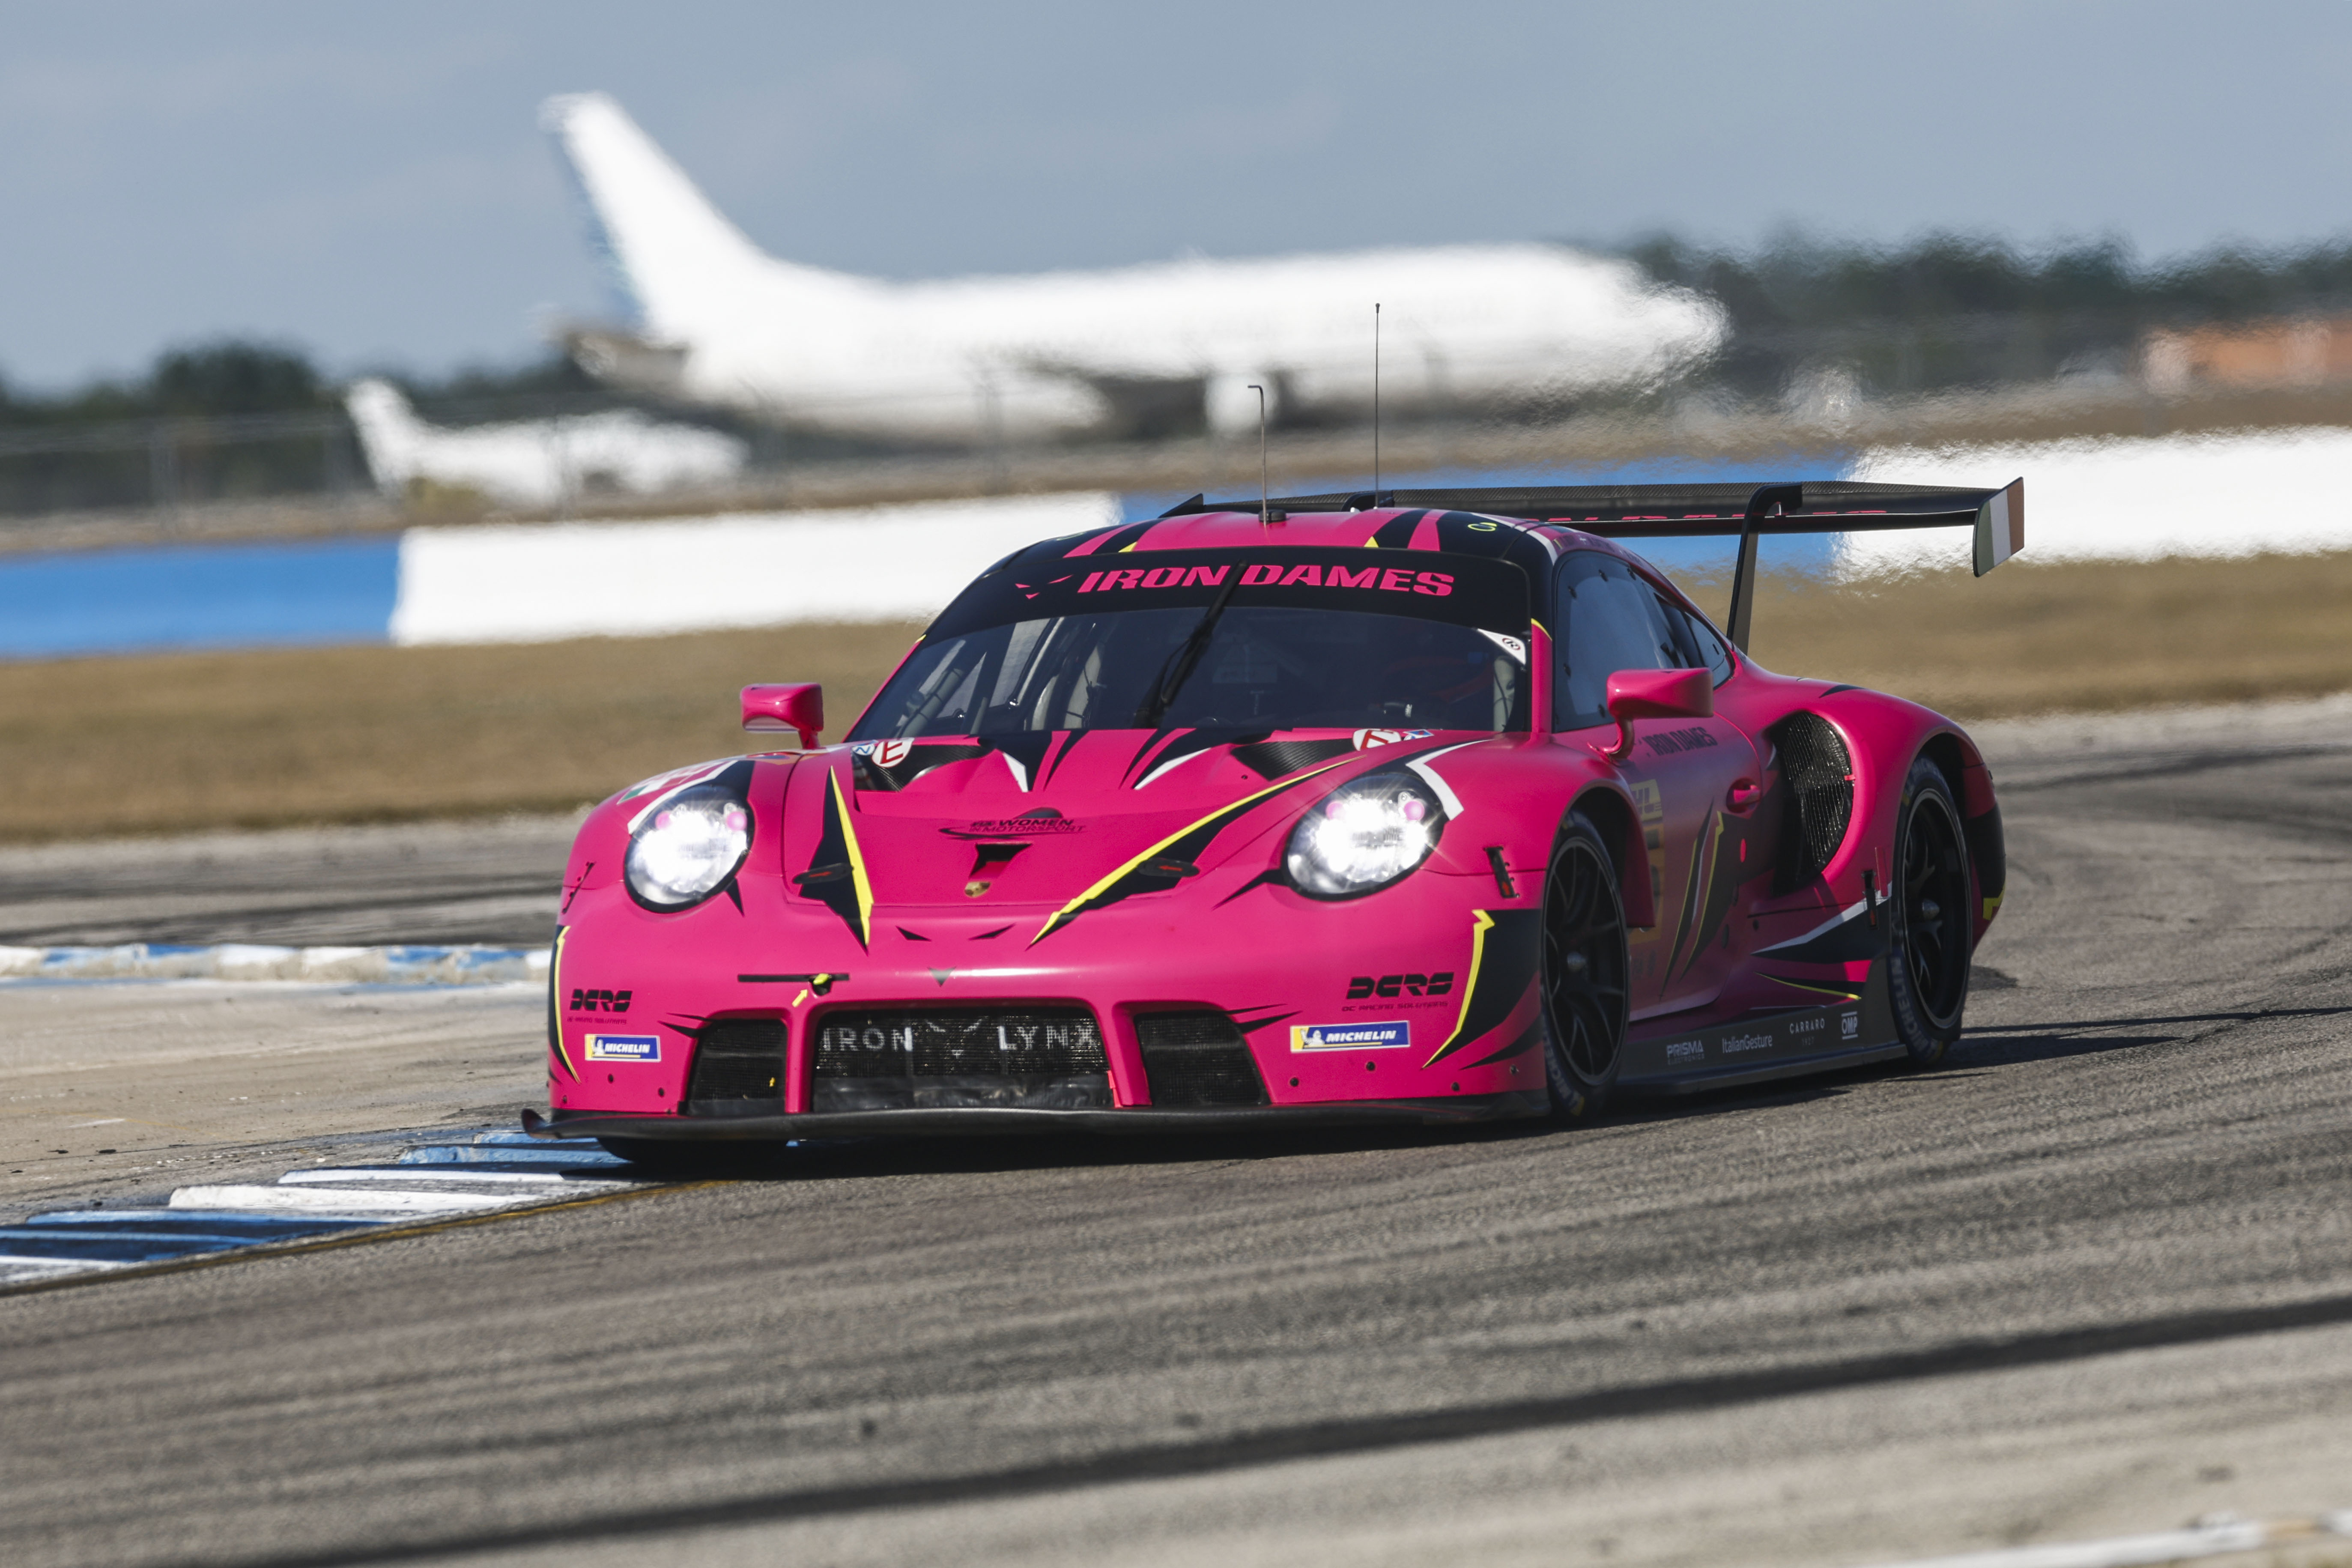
(1264, 516)
(1376, 402)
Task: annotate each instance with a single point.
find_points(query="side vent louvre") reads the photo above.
(1197, 1059)
(1819, 771)
(738, 1060)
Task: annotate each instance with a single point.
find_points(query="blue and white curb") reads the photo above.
(456, 965)
(494, 1171)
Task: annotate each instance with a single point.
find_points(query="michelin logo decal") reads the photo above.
(1350, 1037)
(624, 1048)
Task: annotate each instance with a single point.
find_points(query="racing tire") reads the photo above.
(1928, 975)
(1583, 977)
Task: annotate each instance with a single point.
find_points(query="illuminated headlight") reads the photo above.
(1363, 836)
(687, 849)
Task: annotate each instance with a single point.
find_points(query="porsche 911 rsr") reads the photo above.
(1437, 806)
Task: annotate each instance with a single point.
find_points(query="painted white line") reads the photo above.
(358, 1205)
(2218, 1538)
(454, 1175)
(59, 1264)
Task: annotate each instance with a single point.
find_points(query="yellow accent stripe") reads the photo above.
(1069, 911)
(1481, 922)
(555, 983)
(857, 864)
(1992, 905)
(1841, 993)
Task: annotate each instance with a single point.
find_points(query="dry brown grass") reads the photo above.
(356, 734)
(166, 744)
(2071, 638)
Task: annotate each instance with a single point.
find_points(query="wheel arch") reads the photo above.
(1611, 814)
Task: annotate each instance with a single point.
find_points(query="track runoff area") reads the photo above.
(2082, 1296)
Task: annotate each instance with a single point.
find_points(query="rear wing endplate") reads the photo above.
(1747, 512)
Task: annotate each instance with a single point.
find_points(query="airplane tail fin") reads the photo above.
(391, 435)
(675, 259)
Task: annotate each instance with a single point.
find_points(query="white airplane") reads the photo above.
(980, 359)
(537, 462)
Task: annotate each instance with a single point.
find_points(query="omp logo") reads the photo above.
(1682, 1051)
(585, 1001)
(1849, 1026)
(1732, 1043)
(1350, 1037)
(1691, 740)
(1437, 984)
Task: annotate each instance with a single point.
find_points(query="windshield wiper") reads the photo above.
(1181, 663)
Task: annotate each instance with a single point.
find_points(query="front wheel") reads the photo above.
(1928, 979)
(1584, 971)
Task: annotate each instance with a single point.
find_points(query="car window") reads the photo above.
(1265, 667)
(1610, 620)
(1706, 646)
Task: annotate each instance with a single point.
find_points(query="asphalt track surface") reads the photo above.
(2095, 1276)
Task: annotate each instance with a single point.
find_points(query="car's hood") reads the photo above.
(1040, 819)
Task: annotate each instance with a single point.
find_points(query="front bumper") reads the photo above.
(962, 1122)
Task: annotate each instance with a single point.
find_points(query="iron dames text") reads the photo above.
(1267, 574)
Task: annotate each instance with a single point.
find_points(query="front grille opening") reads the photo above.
(739, 1060)
(1025, 1058)
(1819, 770)
(1197, 1058)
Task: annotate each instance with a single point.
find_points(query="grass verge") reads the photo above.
(100, 747)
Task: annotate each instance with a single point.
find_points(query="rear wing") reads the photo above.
(1747, 512)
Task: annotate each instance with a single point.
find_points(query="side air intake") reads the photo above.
(738, 1064)
(1818, 772)
(1197, 1059)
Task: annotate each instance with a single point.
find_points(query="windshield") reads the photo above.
(1278, 657)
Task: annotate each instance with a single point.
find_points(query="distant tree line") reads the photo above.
(234, 419)
(1949, 310)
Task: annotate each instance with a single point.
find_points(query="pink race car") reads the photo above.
(1434, 807)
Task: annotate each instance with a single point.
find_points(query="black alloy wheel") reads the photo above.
(1929, 980)
(1584, 971)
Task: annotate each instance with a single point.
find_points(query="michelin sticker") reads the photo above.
(1350, 1037)
(624, 1048)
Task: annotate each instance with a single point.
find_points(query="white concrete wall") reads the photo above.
(541, 582)
(2240, 493)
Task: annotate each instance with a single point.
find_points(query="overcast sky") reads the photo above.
(369, 182)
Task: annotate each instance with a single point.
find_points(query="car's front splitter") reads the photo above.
(960, 1121)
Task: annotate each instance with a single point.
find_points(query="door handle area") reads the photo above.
(1743, 796)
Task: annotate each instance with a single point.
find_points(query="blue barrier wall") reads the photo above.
(195, 596)
(198, 596)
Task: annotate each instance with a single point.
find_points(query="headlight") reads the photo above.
(687, 849)
(1363, 836)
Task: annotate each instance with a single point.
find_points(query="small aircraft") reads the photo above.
(535, 462)
(1139, 349)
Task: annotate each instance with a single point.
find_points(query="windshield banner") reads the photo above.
(1462, 589)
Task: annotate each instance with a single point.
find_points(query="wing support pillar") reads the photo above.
(1768, 501)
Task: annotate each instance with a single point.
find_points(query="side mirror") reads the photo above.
(767, 709)
(1657, 694)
